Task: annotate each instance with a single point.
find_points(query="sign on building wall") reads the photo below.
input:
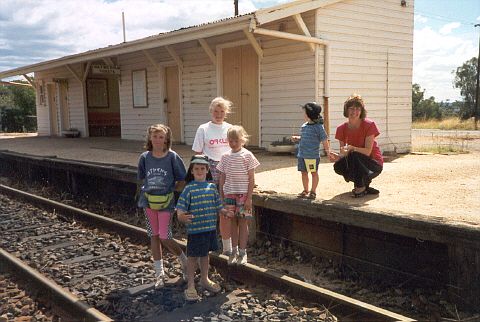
(103, 69)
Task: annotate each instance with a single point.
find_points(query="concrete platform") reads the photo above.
(409, 185)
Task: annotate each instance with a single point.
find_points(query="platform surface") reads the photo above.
(443, 188)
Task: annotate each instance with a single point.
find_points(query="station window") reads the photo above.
(139, 88)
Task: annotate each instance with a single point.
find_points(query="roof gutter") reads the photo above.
(174, 37)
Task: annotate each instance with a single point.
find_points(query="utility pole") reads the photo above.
(235, 3)
(478, 73)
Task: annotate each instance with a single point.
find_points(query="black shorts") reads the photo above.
(198, 245)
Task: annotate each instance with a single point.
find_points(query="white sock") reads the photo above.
(227, 245)
(183, 258)
(159, 267)
(242, 252)
(235, 250)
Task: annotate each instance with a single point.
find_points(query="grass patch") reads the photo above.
(453, 123)
(440, 149)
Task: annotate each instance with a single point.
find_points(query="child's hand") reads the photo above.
(333, 156)
(248, 205)
(185, 217)
(295, 138)
(229, 213)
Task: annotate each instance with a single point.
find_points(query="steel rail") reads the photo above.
(349, 308)
(63, 302)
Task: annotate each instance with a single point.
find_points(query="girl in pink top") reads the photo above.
(360, 158)
(237, 178)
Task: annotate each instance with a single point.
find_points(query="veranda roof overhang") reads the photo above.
(238, 23)
(247, 22)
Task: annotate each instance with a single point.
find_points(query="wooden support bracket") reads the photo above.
(74, 73)
(303, 27)
(208, 50)
(175, 57)
(254, 43)
(151, 60)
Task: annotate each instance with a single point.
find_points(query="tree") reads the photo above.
(424, 108)
(465, 80)
(17, 106)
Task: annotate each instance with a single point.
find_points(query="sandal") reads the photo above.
(191, 295)
(312, 195)
(211, 286)
(302, 194)
(360, 194)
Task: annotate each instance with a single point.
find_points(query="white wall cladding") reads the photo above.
(135, 121)
(372, 54)
(199, 87)
(287, 78)
(75, 99)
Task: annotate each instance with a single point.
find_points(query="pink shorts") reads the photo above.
(158, 223)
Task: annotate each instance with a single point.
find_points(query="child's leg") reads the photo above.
(152, 229)
(191, 267)
(204, 262)
(314, 181)
(234, 232)
(166, 238)
(305, 180)
(242, 233)
(225, 232)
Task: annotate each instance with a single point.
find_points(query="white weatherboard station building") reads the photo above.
(267, 62)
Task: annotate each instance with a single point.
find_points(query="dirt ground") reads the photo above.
(445, 187)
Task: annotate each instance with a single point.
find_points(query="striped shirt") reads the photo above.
(311, 134)
(236, 165)
(202, 200)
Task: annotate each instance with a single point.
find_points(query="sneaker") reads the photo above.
(232, 259)
(242, 259)
(159, 281)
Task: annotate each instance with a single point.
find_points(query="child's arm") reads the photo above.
(179, 185)
(295, 138)
(221, 183)
(251, 184)
(330, 154)
(184, 217)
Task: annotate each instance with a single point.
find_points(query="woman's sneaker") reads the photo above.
(159, 281)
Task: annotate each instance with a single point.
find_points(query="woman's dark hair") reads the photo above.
(355, 100)
(189, 177)
(158, 128)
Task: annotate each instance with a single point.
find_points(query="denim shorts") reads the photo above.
(198, 245)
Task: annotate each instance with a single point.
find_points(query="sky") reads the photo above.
(37, 30)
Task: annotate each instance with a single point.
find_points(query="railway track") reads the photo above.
(103, 268)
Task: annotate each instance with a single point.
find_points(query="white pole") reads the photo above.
(123, 24)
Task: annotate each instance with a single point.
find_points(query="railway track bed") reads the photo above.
(112, 272)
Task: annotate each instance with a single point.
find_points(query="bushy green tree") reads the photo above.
(465, 80)
(424, 109)
(17, 108)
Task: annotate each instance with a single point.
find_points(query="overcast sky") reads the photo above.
(36, 30)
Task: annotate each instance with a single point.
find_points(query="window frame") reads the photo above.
(139, 72)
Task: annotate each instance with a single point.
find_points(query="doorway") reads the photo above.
(52, 109)
(240, 85)
(172, 100)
